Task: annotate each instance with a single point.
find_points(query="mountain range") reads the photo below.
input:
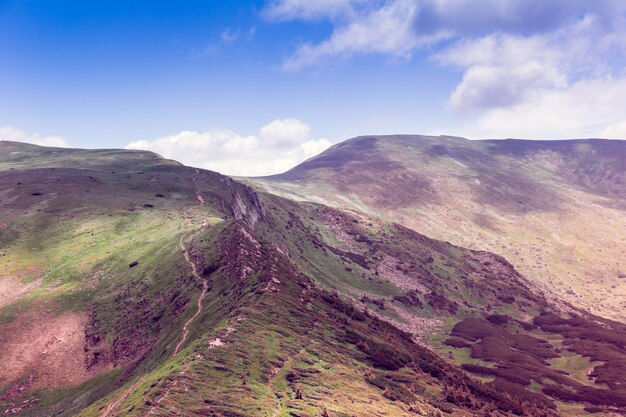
(398, 276)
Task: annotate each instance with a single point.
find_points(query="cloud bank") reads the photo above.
(526, 67)
(400, 27)
(279, 146)
(17, 135)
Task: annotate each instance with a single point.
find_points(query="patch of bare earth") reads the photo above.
(419, 327)
(12, 288)
(339, 228)
(389, 267)
(43, 349)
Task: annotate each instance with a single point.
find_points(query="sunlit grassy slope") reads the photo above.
(555, 209)
(133, 286)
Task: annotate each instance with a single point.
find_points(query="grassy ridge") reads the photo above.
(309, 311)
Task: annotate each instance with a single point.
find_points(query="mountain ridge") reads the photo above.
(526, 200)
(292, 308)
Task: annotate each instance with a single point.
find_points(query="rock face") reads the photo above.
(245, 303)
(248, 213)
(555, 209)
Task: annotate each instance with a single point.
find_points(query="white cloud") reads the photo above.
(587, 108)
(285, 131)
(615, 130)
(279, 146)
(500, 86)
(281, 10)
(17, 135)
(500, 70)
(567, 83)
(230, 35)
(399, 27)
(528, 68)
(386, 30)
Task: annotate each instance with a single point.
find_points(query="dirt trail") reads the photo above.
(186, 213)
(154, 410)
(121, 398)
(194, 180)
(194, 269)
(205, 287)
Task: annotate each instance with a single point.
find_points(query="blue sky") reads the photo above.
(253, 87)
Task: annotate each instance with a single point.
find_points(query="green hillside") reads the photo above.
(133, 286)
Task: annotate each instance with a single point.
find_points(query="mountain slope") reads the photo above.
(172, 301)
(135, 286)
(555, 209)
